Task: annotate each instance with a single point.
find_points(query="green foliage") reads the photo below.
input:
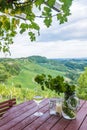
(7, 31)
(18, 85)
(38, 59)
(12, 67)
(57, 84)
(62, 17)
(3, 74)
(13, 10)
(68, 111)
(7, 69)
(69, 90)
(32, 36)
(21, 94)
(40, 80)
(48, 15)
(82, 85)
(51, 3)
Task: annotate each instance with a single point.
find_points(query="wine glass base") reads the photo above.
(38, 114)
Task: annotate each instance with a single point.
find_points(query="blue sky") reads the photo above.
(68, 40)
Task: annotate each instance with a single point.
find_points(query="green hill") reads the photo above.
(21, 72)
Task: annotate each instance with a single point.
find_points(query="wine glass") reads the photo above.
(38, 98)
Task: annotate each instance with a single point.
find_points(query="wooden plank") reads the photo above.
(17, 107)
(36, 123)
(48, 124)
(84, 124)
(61, 124)
(41, 120)
(15, 114)
(20, 106)
(75, 124)
(28, 120)
(17, 120)
(82, 102)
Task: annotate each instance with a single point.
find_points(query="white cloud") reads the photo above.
(59, 41)
(78, 10)
(75, 28)
(59, 49)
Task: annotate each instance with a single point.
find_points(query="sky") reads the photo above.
(68, 40)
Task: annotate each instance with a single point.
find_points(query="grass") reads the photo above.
(28, 72)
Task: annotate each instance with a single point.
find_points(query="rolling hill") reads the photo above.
(21, 72)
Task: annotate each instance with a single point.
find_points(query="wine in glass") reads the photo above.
(38, 98)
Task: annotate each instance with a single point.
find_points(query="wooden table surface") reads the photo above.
(21, 117)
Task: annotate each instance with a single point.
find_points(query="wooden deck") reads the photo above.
(20, 117)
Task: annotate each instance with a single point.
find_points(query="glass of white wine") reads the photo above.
(38, 99)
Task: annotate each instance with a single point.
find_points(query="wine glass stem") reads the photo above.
(38, 108)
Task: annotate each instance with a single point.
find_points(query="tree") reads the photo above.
(20, 13)
(40, 79)
(3, 73)
(56, 84)
(82, 85)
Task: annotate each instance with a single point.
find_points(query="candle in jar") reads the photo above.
(59, 108)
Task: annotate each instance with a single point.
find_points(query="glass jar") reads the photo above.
(69, 106)
(52, 106)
